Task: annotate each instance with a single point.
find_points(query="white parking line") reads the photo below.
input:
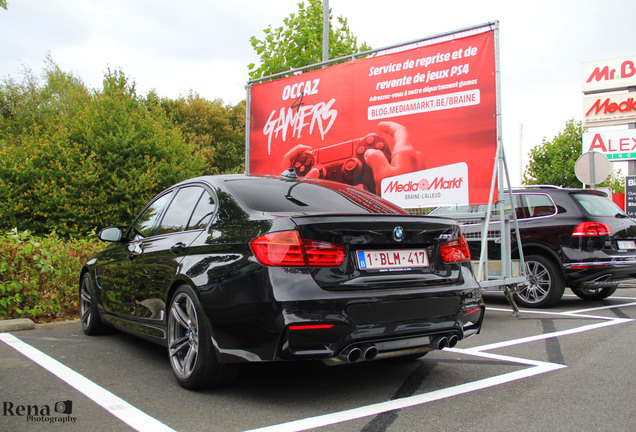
(537, 368)
(143, 422)
(382, 407)
(116, 406)
(576, 312)
(543, 336)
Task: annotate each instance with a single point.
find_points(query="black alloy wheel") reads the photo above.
(89, 316)
(545, 285)
(192, 355)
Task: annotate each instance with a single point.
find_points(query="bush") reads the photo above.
(90, 161)
(39, 276)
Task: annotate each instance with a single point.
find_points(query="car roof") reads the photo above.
(555, 189)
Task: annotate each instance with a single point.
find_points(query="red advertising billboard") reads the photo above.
(417, 127)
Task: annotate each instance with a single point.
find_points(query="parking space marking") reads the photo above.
(116, 406)
(537, 368)
(585, 328)
(576, 312)
(142, 422)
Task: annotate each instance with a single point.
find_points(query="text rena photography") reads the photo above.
(40, 413)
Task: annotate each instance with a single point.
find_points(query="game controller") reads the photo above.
(343, 162)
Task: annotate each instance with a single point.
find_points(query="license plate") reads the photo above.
(626, 244)
(392, 259)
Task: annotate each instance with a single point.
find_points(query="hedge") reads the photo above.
(39, 275)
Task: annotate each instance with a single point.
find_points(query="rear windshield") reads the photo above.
(597, 205)
(285, 196)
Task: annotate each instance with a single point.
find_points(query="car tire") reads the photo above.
(92, 324)
(191, 353)
(594, 293)
(546, 283)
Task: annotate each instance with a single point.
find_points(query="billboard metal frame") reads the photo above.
(504, 280)
(430, 40)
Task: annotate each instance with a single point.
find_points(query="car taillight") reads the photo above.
(311, 326)
(455, 250)
(591, 229)
(287, 249)
(323, 254)
(279, 249)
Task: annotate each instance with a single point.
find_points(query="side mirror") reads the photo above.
(111, 234)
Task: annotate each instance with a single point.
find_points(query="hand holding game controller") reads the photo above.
(290, 158)
(343, 162)
(404, 158)
(361, 162)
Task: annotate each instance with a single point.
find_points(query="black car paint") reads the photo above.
(552, 234)
(249, 307)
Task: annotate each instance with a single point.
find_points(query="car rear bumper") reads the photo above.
(303, 321)
(396, 334)
(600, 273)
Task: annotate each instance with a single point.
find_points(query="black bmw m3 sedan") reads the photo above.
(230, 269)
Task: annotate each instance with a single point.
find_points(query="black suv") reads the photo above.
(574, 238)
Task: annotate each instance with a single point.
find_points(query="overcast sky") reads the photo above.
(203, 45)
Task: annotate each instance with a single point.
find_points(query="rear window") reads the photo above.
(481, 208)
(285, 196)
(453, 210)
(597, 205)
(538, 205)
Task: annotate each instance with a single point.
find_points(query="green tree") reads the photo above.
(298, 42)
(19, 106)
(88, 159)
(3, 4)
(212, 128)
(230, 153)
(26, 106)
(553, 162)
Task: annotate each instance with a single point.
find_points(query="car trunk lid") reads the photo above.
(385, 250)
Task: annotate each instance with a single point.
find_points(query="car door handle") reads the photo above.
(135, 250)
(178, 248)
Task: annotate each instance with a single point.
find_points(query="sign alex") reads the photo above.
(367, 120)
(616, 145)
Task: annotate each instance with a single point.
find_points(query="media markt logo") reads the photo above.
(423, 185)
(59, 412)
(428, 188)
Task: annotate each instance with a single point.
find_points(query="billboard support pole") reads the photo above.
(248, 122)
(325, 31)
(501, 180)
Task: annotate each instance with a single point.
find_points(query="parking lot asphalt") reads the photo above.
(563, 369)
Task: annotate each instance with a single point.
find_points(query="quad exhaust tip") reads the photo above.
(442, 342)
(446, 342)
(353, 355)
(359, 353)
(368, 352)
(452, 341)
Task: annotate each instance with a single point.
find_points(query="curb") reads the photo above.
(16, 325)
